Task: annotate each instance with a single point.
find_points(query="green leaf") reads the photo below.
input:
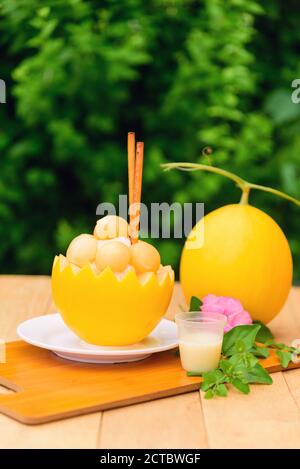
(281, 346)
(245, 359)
(195, 304)
(259, 375)
(240, 346)
(242, 387)
(209, 394)
(249, 360)
(284, 357)
(226, 366)
(261, 352)
(193, 373)
(245, 333)
(241, 372)
(264, 334)
(211, 378)
(278, 345)
(221, 390)
(280, 106)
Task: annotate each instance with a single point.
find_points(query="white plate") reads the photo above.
(50, 332)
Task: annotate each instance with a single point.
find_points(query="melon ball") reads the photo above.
(110, 227)
(144, 257)
(82, 250)
(114, 254)
(122, 239)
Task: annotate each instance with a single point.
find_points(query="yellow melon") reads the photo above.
(103, 309)
(244, 254)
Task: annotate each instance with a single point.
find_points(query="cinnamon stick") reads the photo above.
(137, 192)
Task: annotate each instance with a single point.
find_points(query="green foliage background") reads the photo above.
(182, 73)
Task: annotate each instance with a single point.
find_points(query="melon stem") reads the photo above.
(244, 185)
(283, 195)
(245, 195)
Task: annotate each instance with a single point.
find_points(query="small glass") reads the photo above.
(200, 340)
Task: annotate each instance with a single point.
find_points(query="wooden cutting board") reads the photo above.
(49, 388)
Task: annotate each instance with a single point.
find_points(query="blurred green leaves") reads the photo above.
(281, 108)
(183, 73)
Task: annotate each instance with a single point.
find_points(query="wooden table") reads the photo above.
(267, 418)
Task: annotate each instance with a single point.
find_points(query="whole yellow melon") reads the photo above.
(244, 255)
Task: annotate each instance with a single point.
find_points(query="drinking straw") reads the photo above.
(131, 164)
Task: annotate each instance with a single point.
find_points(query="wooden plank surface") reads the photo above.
(174, 422)
(268, 417)
(79, 432)
(22, 297)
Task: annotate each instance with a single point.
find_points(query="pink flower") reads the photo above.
(230, 307)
